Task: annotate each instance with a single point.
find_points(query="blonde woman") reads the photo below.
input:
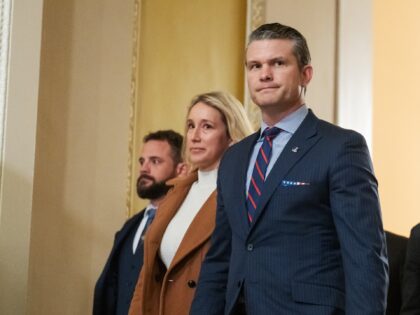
(179, 237)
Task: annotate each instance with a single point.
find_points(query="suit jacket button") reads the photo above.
(250, 247)
(239, 284)
(192, 284)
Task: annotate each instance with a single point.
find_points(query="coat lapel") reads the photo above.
(199, 230)
(304, 138)
(164, 215)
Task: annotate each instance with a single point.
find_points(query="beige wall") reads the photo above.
(185, 48)
(81, 150)
(317, 20)
(396, 111)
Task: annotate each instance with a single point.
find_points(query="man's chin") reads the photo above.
(145, 186)
(146, 182)
(152, 191)
(267, 103)
(265, 99)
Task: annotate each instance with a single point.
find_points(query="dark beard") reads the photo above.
(153, 191)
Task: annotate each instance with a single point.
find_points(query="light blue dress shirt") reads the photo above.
(288, 125)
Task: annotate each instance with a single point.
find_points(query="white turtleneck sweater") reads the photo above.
(176, 229)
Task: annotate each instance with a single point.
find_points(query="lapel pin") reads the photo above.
(295, 149)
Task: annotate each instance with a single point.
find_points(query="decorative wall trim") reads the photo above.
(133, 102)
(258, 17)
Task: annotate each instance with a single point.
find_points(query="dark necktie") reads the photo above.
(260, 168)
(150, 216)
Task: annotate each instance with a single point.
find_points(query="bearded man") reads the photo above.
(159, 161)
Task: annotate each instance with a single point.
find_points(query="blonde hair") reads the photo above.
(233, 114)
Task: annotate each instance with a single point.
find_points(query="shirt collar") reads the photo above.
(291, 122)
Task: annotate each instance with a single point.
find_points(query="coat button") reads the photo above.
(192, 284)
(250, 247)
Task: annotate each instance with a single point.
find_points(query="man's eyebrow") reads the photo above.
(268, 60)
(156, 157)
(152, 157)
(251, 61)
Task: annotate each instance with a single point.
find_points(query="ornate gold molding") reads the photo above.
(133, 98)
(256, 17)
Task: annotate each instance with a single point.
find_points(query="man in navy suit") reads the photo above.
(411, 279)
(159, 161)
(298, 225)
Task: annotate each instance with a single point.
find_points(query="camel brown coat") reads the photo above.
(170, 292)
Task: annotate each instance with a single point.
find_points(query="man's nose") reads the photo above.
(145, 167)
(266, 73)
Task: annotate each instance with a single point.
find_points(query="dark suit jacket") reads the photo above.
(311, 249)
(411, 282)
(105, 296)
(396, 246)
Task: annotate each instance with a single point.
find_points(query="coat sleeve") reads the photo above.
(357, 216)
(411, 278)
(211, 290)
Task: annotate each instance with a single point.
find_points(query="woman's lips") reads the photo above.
(196, 150)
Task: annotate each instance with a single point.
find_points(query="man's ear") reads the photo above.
(306, 75)
(182, 169)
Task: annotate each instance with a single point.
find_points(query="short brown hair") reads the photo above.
(173, 138)
(280, 31)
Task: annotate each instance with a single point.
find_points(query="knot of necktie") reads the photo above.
(271, 133)
(151, 214)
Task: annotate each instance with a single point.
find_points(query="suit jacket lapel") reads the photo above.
(304, 138)
(199, 230)
(134, 222)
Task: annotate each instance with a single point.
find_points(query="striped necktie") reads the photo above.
(260, 168)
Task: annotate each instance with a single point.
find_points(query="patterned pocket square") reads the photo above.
(287, 183)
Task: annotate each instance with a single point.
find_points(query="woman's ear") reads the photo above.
(182, 169)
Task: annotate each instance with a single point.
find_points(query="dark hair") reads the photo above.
(173, 138)
(279, 31)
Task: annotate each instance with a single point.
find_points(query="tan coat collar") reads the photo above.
(198, 232)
